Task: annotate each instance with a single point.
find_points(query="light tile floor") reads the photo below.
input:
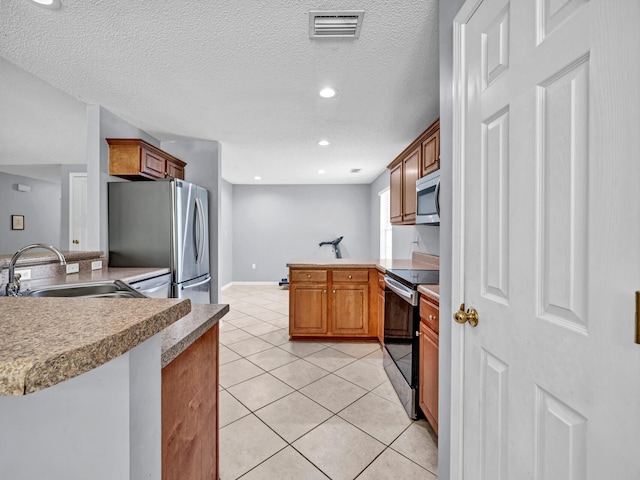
(309, 410)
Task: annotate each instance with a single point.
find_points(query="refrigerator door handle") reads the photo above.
(201, 232)
(206, 280)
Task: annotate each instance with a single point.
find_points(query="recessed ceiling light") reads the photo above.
(323, 143)
(257, 178)
(321, 171)
(50, 4)
(328, 92)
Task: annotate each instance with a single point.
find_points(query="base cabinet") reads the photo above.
(308, 308)
(333, 303)
(190, 412)
(429, 349)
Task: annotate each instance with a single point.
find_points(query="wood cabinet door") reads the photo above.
(308, 309)
(429, 313)
(411, 173)
(153, 164)
(174, 170)
(431, 153)
(428, 381)
(396, 195)
(350, 310)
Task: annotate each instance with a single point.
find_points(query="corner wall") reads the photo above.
(41, 210)
(226, 233)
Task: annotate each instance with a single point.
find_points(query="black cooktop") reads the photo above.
(413, 278)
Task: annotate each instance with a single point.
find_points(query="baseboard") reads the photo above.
(248, 283)
(224, 287)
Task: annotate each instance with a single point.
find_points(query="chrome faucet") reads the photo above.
(13, 287)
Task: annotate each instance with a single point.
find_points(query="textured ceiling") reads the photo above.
(244, 73)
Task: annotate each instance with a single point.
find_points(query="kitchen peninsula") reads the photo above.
(81, 383)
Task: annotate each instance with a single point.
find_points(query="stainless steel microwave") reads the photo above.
(428, 199)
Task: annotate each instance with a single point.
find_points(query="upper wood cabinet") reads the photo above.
(135, 159)
(431, 152)
(417, 160)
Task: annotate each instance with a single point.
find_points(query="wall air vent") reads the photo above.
(335, 23)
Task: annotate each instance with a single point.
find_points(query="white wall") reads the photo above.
(41, 210)
(273, 224)
(226, 233)
(405, 239)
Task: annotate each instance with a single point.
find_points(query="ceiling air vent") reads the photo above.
(335, 24)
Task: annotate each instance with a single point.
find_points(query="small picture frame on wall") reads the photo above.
(17, 222)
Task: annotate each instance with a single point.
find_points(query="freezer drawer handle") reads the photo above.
(153, 289)
(206, 280)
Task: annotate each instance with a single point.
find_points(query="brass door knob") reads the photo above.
(470, 316)
(76, 242)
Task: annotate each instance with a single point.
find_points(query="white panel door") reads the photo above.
(77, 211)
(547, 213)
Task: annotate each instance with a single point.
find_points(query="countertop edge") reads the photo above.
(183, 333)
(48, 370)
(430, 291)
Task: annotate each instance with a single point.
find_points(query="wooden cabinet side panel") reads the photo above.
(380, 300)
(411, 173)
(125, 159)
(396, 195)
(350, 310)
(189, 411)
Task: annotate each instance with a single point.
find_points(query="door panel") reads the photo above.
(545, 102)
(563, 162)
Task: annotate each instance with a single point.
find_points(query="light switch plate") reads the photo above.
(97, 265)
(73, 268)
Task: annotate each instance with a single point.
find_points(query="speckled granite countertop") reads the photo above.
(432, 291)
(418, 261)
(44, 341)
(179, 336)
(128, 275)
(38, 257)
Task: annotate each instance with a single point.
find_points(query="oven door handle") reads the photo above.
(407, 294)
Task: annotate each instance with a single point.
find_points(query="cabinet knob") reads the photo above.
(309, 276)
(334, 291)
(350, 277)
(417, 333)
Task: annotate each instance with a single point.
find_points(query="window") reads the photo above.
(385, 224)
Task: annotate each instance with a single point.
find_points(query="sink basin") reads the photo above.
(102, 289)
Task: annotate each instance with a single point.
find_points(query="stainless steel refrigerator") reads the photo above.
(163, 223)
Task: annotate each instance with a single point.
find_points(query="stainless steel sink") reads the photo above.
(101, 289)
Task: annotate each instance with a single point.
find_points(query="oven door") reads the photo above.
(401, 322)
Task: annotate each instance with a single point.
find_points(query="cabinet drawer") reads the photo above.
(429, 314)
(315, 276)
(350, 276)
